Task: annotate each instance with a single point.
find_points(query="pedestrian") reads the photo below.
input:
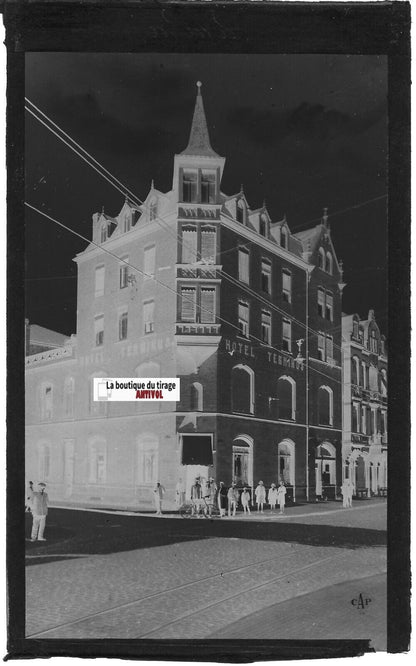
(39, 507)
(350, 491)
(281, 496)
(196, 496)
(159, 491)
(180, 493)
(233, 496)
(272, 496)
(29, 496)
(344, 493)
(245, 500)
(212, 496)
(222, 499)
(260, 494)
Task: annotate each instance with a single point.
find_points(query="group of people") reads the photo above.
(36, 502)
(205, 493)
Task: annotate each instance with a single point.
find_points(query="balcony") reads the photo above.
(198, 271)
(367, 394)
(195, 328)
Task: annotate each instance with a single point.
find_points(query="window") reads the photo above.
(149, 316)
(127, 222)
(99, 330)
(243, 319)
(382, 346)
(355, 365)
(124, 273)
(321, 346)
(373, 342)
(266, 327)
(286, 462)
(97, 462)
(243, 265)
(207, 187)
(147, 459)
(287, 286)
(188, 304)
(241, 465)
(46, 402)
(103, 233)
(283, 237)
(363, 376)
(196, 397)
(266, 275)
(328, 263)
(69, 388)
(208, 245)
(329, 348)
(263, 226)
(242, 389)
(99, 281)
(321, 302)
(287, 335)
(363, 419)
(96, 407)
(355, 417)
(383, 422)
(149, 261)
(189, 245)
(383, 382)
(241, 211)
(207, 310)
(153, 210)
(325, 405)
(355, 329)
(329, 306)
(122, 326)
(286, 388)
(189, 186)
(321, 258)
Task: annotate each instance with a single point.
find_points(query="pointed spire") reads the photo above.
(199, 143)
(102, 210)
(241, 189)
(325, 217)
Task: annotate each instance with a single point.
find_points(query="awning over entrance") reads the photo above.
(197, 450)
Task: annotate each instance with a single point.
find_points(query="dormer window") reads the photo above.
(241, 209)
(328, 263)
(127, 222)
(190, 186)
(263, 226)
(355, 329)
(153, 210)
(103, 234)
(283, 237)
(207, 187)
(321, 258)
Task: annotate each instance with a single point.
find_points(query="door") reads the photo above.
(69, 445)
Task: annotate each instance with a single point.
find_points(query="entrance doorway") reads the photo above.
(242, 461)
(325, 470)
(191, 473)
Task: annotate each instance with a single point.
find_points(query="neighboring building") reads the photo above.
(246, 313)
(364, 447)
(39, 339)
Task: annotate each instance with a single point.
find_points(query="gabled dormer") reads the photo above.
(318, 249)
(103, 227)
(280, 232)
(198, 169)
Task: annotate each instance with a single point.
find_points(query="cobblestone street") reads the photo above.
(106, 575)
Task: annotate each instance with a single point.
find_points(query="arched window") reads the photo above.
(69, 388)
(147, 459)
(286, 390)
(242, 472)
(242, 389)
(197, 397)
(373, 342)
(355, 329)
(373, 378)
(383, 382)
(283, 237)
(153, 209)
(241, 211)
(325, 466)
(103, 233)
(321, 258)
(328, 263)
(286, 462)
(325, 405)
(355, 370)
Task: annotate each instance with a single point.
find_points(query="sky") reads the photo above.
(301, 132)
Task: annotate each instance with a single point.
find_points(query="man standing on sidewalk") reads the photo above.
(39, 505)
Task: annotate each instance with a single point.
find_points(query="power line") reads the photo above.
(120, 260)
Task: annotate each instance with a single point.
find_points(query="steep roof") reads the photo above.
(199, 143)
(45, 336)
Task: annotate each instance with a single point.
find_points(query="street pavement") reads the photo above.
(112, 575)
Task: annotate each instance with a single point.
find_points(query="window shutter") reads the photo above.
(208, 245)
(208, 306)
(189, 246)
(188, 304)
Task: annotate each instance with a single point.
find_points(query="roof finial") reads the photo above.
(325, 217)
(102, 210)
(264, 203)
(152, 185)
(199, 86)
(241, 188)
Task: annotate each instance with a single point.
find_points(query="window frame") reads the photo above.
(266, 276)
(285, 320)
(148, 324)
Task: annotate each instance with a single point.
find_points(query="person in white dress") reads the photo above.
(281, 496)
(272, 497)
(245, 500)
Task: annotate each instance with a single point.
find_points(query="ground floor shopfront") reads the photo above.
(115, 462)
(366, 466)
